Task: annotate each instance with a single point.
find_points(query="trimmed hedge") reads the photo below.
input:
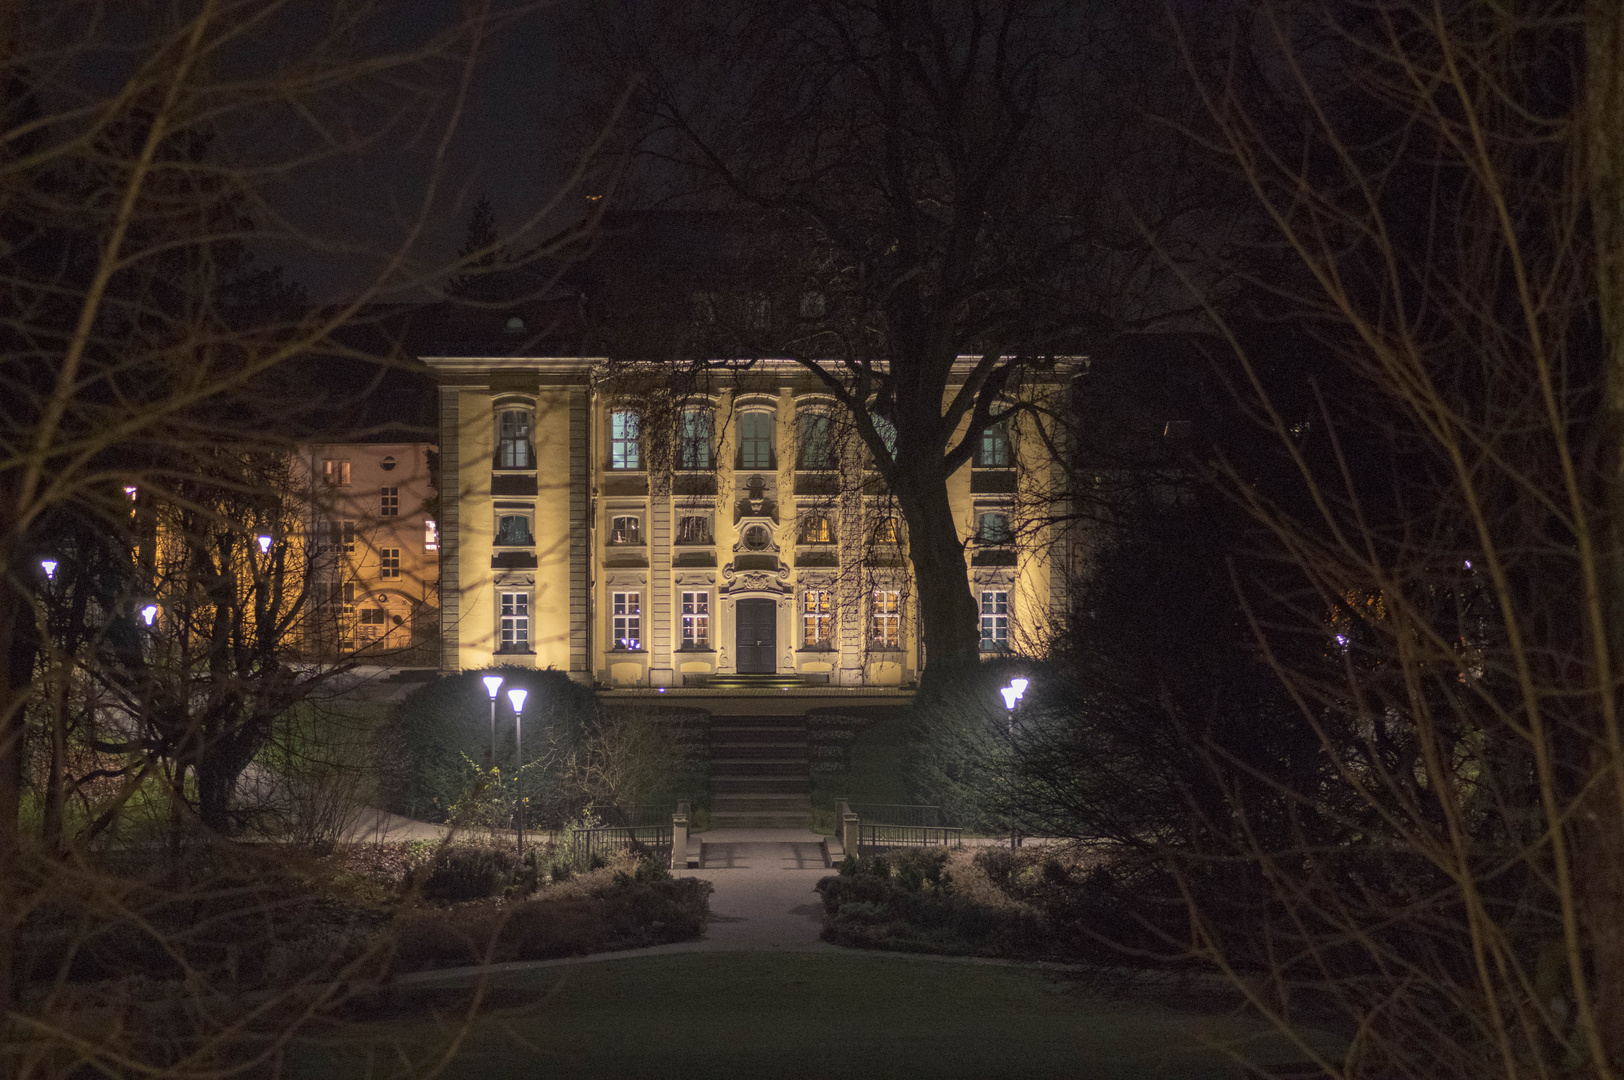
(447, 723)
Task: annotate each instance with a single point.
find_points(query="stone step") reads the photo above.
(762, 821)
(759, 769)
(757, 803)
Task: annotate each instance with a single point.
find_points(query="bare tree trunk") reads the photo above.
(1601, 827)
(17, 653)
(947, 610)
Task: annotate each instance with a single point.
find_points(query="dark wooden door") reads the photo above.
(758, 636)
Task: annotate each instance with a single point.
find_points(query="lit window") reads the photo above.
(625, 530)
(431, 535)
(389, 502)
(696, 620)
(694, 529)
(515, 622)
(694, 439)
(626, 613)
(815, 530)
(885, 531)
(513, 530)
(513, 449)
(335, 471)
(389, 562)
(817, 618)
(993, 528)
(624, 450)
(994, 620)
(994, 451)
(756, 440)
(815, 441)
(887, 618)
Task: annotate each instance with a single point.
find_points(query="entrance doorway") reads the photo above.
(757, 622)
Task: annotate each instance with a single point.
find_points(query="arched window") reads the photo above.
(994, 450)
(694, 438)
(814, 441)
(513, 449)
(625, 452)
(756, 441)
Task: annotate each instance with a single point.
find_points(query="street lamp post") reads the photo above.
(1012, 698)
(493, 684)
(517, 696)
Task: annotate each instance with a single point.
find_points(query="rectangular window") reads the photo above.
(389, 562)
(625, 530)
(513, 449)
(335, 471)
(336, 535)
(515, 622)
(389, 502)
(696, 620)
(887, 431)
(756, 440)
(624, 450)
(372, 616)
(993, 528)
(694, 529)
(815, 441)
(341, 592)
(694, 439)
(888, 618)
(815, 529)
(513, 530)
(994, 620)
(431, 535)
(994, 450)
(817, 619)
(626, 614)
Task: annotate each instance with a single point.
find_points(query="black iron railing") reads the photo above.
(871, 836)
(611, 840)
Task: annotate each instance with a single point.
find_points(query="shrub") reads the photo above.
(447, 723)
(624, 914)
(466, 872)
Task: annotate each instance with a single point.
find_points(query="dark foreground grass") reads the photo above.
(784, 1015)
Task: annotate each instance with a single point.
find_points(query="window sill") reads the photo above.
(515, 652)
(695, 649)
(818, 650)
(628, 652)
(885, 648)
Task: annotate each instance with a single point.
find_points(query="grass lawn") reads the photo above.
(785, 1015)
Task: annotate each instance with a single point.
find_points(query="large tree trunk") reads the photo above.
(1600, 828)
(947, 611)
(18, 644)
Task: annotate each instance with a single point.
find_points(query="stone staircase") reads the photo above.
(759, 773)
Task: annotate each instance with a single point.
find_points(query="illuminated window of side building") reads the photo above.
(815, 529)
(625, 530)
(513, 447)
(694, 529)
(515, 622)
(994, 620)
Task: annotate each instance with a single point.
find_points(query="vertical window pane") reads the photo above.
(994, 620)
(694, 439)
(696, 620)
(815, 441)
(626, 618)
(624, 450)
(515, 622)
(756, 440)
